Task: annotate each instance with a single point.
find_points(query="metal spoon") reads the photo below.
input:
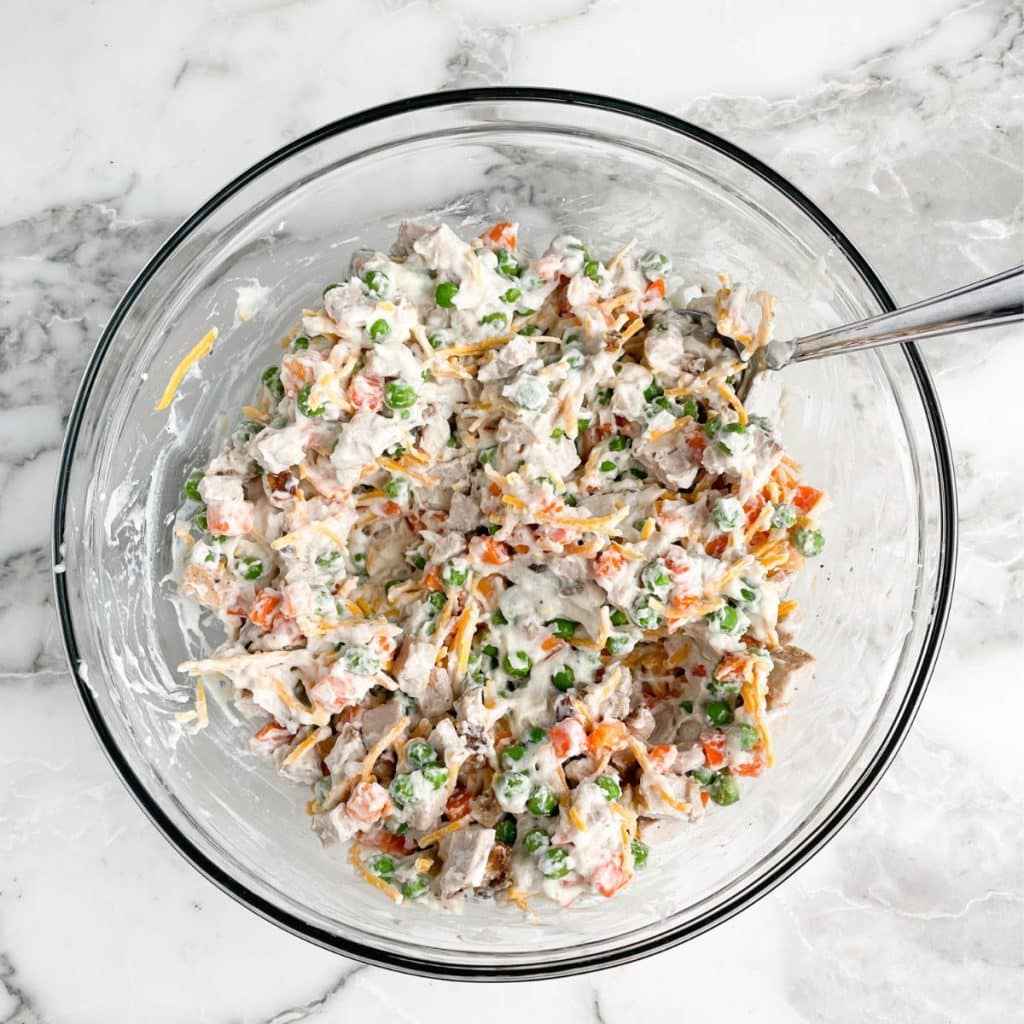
(988, 303)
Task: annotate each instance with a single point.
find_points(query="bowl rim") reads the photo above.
(538, 969)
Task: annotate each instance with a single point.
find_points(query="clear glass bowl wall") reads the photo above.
(864, 427)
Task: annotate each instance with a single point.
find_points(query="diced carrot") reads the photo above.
(655, 290)
(494, 552)
(392, 508)
(714, 747)
(432, 579)
(521, 549)
(458, 804)
(494, 490)
(550, 644)
(753, 767)
(608, 565)
(369, 802)
(607, 738)
(488, 585)
(732, 666)
(272, 735)
(264, 608)
(662, 757)
(717, 545)
(704, 798)
(697, 442)
(568, 738)
(805, 498)
(753, 508)
(387, 842)
(685, 602)
(608, 878)
(699, 670)
(503, 234)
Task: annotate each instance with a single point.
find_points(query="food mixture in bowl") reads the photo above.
(502, 561)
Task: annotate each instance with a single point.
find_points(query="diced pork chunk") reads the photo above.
(793, 668)
(465, 859)
(377, 721)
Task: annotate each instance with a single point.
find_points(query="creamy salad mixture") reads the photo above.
(502, 561)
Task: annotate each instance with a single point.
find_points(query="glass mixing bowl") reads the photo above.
(867, 428)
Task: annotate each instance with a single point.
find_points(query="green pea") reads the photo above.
(403, 793)
(377, 283)
(640, 474)
(333, 284)
(249, 568)
(399, 395)
(454, 575)
(488, 456)
(687, 706)
(511, 295)
(536, 839)
(654, 264)
(490, 650)
(201, 521)
(191, 488)
(382, 866)
(645, 616)
(379, 330)
(582, 424)
(542, 802)
(444, 294)
(436, 340)
(396, 451)
(415, 888)
(529, 330)
(272, 381)
(436, 775)
(557, 433)
(328, 560)
(420, 753)
(397, 488)
(498, 619)
(725, 619)
(517, 664)
(507, 266)
(784, 516)
(436, 600)
(510, 785)
(653, 391)
(656, 578)
(640, 852)
(592, 269)
(609, 786)
(618, 617)
(808, 542)
(723, 687)
(512, 755)
(553, 863)
(395, 827)
(563, 628)
(302, 401)
(607, 466)
(718, 712)
(505, 831)
(725, 790)
(500, 319)
(704, 776)
(571, 500)
(564, 679)
(247, 430)
(300, 343)
(619, 443)
(416, 560)
(619, 643)
(535, 735)
(690, 408)
(736, 441)
(362, 661)
(747, 735)
(604, 396)
(727, 514)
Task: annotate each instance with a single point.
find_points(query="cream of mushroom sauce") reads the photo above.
(502, 561)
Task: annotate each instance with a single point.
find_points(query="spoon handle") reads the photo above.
(988, 303)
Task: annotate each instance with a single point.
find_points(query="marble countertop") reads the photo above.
(903, 121)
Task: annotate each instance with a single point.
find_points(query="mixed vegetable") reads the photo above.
(502, 560)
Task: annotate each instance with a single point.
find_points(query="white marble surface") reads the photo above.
(902, 120)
